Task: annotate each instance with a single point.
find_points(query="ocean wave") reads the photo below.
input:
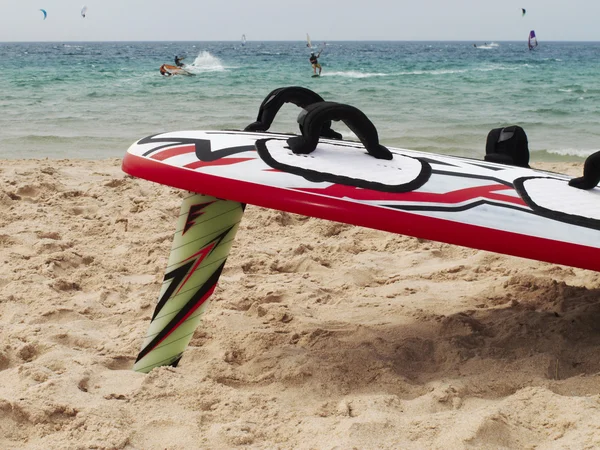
(495, 68)
(488, 46)
(487, 68)
(354, 74)
(578, 90)
(206, 62)
(50, 138)
(433, 72)
(570, 152)
(551, 112)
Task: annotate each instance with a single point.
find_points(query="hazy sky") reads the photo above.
(202, 20)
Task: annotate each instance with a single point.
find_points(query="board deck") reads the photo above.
(175, 70)
(483, 205)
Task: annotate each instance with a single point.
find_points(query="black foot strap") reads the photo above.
(591, 173)
(315, 117)
(273, 102)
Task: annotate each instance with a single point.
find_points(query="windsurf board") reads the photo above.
(500, 208)
(175, 70)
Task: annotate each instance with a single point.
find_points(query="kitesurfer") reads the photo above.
(314, 60)
(178, 60)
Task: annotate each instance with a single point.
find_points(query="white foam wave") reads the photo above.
(494, 68)
(447, 71)
(488, 46)
(354, 74)
(433, 72)
(205, 62)
(581, 153)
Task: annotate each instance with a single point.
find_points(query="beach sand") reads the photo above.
(319, 335)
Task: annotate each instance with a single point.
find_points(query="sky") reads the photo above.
(325, 20)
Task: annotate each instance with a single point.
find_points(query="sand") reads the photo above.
(319, 336)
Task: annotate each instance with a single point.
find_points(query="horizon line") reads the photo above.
(298, 40)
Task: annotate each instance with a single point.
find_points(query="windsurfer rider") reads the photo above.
(315, 62)
(178, 60)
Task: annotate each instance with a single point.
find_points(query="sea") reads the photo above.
(92, 100)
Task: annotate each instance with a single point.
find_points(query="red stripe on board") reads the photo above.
(385, 219)
(450, 198)
(506, 198)
(218, 162)
(175, 151)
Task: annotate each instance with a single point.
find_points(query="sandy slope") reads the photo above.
(320, 335)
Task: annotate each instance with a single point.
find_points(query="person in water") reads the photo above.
(314, 60)
(178, 60)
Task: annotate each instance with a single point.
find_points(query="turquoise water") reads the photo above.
(92, 100)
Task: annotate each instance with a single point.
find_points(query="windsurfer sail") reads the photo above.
(243, 39)
(532, 41)
(308, 42)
